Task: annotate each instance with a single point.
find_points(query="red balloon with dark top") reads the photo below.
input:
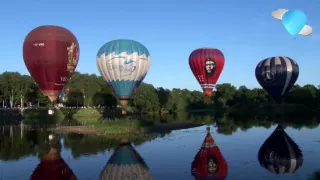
(207, 65)
(52, 167)
(51, 55)
(209, 162)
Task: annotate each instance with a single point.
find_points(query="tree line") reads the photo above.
(90, 90)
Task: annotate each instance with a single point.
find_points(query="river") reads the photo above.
(168, 156)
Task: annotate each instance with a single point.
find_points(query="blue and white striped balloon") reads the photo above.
(123, 64)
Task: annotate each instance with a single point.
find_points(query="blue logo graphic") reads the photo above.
(128, 62)
(294, 21)
(126, 69)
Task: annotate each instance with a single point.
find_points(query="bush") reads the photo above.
(87, 115)
(283, 110)
(40, 116)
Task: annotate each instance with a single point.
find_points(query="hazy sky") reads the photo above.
(171, 29)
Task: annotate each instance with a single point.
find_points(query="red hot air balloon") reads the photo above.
(207, 65)
(209, 162)
(52, 167)
(51, 55)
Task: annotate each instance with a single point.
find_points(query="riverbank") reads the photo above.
(90, 115)
(158, 128)
(78, 129)
(104, 121)
(91, 121)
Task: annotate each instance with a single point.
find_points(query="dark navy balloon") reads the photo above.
(277, 75)
(279, 154)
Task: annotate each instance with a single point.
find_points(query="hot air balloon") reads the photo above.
(52, 166)
(209, 162)
(206, 65)
(62, 97)
(123, 64)
(125, 163)
(279, 154)
(51, 55)
(67, 91)
(277, 75)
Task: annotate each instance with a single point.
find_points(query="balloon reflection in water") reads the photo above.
(280, 154)
(125, 163)
(52, 166)
(209, 162)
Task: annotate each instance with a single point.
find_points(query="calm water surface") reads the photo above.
(168, 156)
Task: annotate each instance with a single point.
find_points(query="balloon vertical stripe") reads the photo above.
(289, 74)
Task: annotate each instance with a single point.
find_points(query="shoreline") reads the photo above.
(77, 129)
(160, 128)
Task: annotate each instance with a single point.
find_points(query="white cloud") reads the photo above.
(306, 30)
(278, 14)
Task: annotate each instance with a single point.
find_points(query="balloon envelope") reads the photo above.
(277, 75)
(62, 97)
(279, 154)
(207, 65)
(51, 55)
(52, 167)
(209, 162)
(123, 64)
(125, 163)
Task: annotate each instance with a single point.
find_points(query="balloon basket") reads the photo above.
(50, 112)
(123, 102)
(50, 137)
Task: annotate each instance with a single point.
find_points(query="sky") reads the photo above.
(171, 29)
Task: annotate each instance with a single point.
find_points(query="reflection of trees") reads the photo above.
(14, 145)
(184, 117)
(230, 124)
(226, 126)
(39, 141)
(315, 175)
(92, 144)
